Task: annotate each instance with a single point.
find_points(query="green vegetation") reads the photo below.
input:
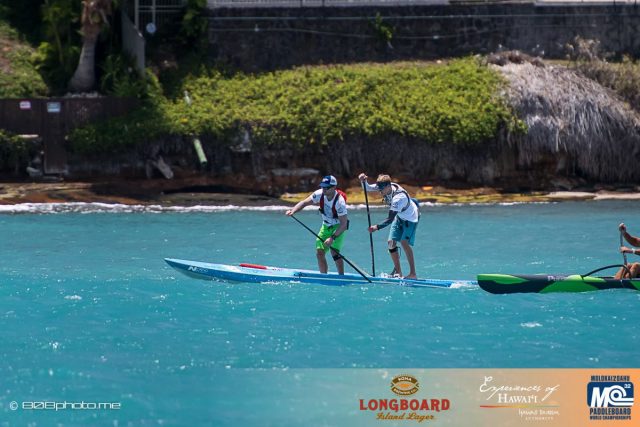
(24, 17)
(18, 76)
(383, 31)
(193, 29)
(58, 53)
(116, 135)
(121, 78)
(623, 77)
(457, 102)
(14, 153)
(53, 28)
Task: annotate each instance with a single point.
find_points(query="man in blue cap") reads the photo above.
(333, 208)
(403, 217)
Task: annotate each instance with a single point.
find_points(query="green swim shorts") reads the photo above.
(326, 232)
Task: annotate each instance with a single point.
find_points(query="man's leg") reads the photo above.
(623, 273)
(395, 234)
(321, 249)
(408, 250)
(395, 256)
(322, 261)
(635, 270)
(339, 261)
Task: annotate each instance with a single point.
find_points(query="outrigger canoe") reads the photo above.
(542, 283)
(253, 273)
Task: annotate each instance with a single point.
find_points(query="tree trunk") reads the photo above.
(94, 18)
(84, 78)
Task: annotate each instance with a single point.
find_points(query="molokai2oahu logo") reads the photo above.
(610, 397)
(398, 408)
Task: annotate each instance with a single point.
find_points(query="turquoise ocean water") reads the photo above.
(91, 313)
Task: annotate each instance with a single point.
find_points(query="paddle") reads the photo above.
(624, 255)
(366, 201)
(337, 251)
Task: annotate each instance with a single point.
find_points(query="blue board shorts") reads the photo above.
(403, 230)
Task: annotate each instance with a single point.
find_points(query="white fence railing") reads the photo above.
(157, 12)
(215, 4)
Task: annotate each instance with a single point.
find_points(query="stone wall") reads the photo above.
(267, 39)
(277, 170)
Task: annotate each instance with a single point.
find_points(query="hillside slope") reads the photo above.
(18, 77)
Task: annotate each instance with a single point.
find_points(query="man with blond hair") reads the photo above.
(403, 217)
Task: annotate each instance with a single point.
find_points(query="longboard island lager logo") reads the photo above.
(610, 397)
(414, 408)
(404, 385)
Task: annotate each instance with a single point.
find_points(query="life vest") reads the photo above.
(333, 206)
(411, 199)
(396, 190)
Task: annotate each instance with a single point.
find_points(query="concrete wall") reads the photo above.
(255, 39)
(133, 42)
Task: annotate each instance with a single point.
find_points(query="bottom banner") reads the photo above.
(405, 397)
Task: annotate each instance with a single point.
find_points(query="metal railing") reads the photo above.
(158, 12)
(218, 4)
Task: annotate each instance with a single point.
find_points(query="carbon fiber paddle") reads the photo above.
(366, 201)
(337, 251)
(624, 255)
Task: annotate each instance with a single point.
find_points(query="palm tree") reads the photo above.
(94, 19)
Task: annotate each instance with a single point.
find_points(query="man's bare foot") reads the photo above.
(411, 276)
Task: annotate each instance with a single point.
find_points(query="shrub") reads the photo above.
(58, 55)
(623, 77)
(14, 152)
(456, 103)
(18, 76)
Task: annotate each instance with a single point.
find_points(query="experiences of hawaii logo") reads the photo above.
(411, 409)
(533, 402)
(610, 397)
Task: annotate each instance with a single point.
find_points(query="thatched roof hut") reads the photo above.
(589, 130)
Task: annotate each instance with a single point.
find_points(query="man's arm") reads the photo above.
(385, 223)
(635, 241)
(626, 250)
(344, 223)
(370, 188)
(300, 205)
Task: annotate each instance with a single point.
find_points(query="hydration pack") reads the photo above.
(411, 199)
(333, 205)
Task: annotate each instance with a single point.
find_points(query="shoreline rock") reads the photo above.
(150, 192)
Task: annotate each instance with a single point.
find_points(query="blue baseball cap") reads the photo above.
(328, 181)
